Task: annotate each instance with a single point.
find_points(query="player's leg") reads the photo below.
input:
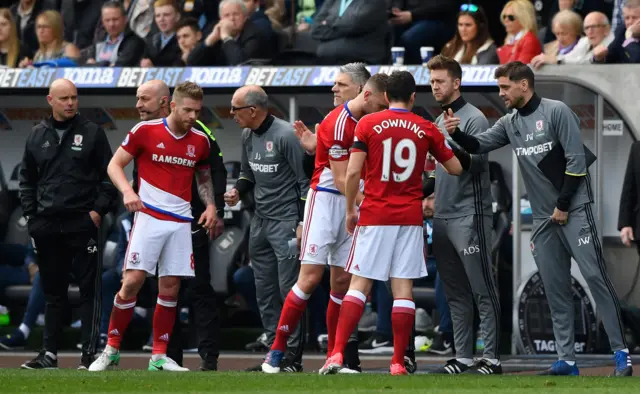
(554, 265)
(581, 237)
(176, 261)
(408, 263)
(145, 244)
(459, 297)
(369, 260)
(471, 237)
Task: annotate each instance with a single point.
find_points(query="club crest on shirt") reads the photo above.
(77, 142)
(135, 258)
(539, 125)
(268, 149)
(191, 151)
(313, 250)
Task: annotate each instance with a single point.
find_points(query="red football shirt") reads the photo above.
(335, 137)
(397, 142)
(166, 167)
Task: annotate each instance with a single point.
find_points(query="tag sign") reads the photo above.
(612, 127)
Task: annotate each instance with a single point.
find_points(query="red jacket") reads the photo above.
(523, 50)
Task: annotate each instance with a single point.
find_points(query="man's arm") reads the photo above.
(567, 128)
(485, 142)
(28, 182)
(130, 51)
(115, 170)
(236, 52)
(205, 185)
(429, 185)
(293, 153)
(475, 127)
(352, 181)
(102, 156)
(629, 197)
(219, 176)
(246, 181)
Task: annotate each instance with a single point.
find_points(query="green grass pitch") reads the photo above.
(70, 381)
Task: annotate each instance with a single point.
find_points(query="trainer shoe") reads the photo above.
(42, 361)
(291, 362)
(398, 369)
(105, 361)
(351, 359)
(410, 362)
(165, 364)
(422, 343)
(442, 344)
(323, 342)
(623, 364)
(86, 360)
(377, 344)
(452, 367)
(209, 365)
(259, 345)
(332, 365)
(15, 340)
(484, 367)
(272, 362)
(561, 368)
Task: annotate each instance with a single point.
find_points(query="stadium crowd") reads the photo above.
(165, 33)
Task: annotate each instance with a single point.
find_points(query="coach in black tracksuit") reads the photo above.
(201, 293)
(64, 193)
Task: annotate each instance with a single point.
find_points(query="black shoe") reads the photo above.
(351, 358)
(376, 344)
(484, 367)
(452, 367)
(42, 361)
(442, 344)
(257, 368)
(291, 362)
(259, 345)
(209, 365)
(86, 360)
(623, 364)
(410, 362)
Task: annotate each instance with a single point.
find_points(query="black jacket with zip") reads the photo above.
(65, 177)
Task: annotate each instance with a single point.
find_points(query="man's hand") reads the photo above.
(540, 60)
(208, 220)
(232, 197)
(219, 228)
(400, 17)
(132, 201)
(635, 29)
(626, 236)
(299, 235)
(308, 140)
(560, 217)
(600, 52)
(95, 216)
(450, 121)
(91, 61)
(214, 36)
(146, 63)
(352, 220)
(227, 30)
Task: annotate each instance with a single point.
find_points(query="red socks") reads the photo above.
(292, 310)
(402, 320)
(350, 314)
(333, 313)
(163, 320)
(121, 315)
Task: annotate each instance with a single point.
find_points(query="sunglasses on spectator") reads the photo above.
(511, 18)
(469, 8)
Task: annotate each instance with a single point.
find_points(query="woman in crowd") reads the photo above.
(522, 44)
(567, 28)
(472, 43)
(10, 49)
(52, 46)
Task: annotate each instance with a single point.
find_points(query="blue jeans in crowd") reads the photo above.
(11, 275)
(431, 33)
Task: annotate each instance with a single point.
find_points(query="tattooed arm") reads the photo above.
(205, 186)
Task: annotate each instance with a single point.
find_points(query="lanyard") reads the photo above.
(343, 6)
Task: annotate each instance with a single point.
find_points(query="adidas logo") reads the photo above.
(356, 268)
(114, 332)
(164, 337)
(160, 145)
(284, 328)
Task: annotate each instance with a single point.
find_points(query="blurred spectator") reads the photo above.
(80, 18)
(258, 17)
(596, 26)
(581, 7)
(121, 48)
(139, 16)
(419, 23)
(52, 45)
(204, 11)
(625, 48)
(234, 40)
(521, 44)
(352, 31)
(11, 50)
(189, 34)
(617, 20)
(629, 209)
(472, 44)
(567, 27)
(25, 13)
(162, 48)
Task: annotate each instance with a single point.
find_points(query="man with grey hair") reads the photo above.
(234, 39)
(272, 169)
(625, 48)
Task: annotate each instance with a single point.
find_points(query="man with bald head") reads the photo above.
(272, 169)
(65, 192)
